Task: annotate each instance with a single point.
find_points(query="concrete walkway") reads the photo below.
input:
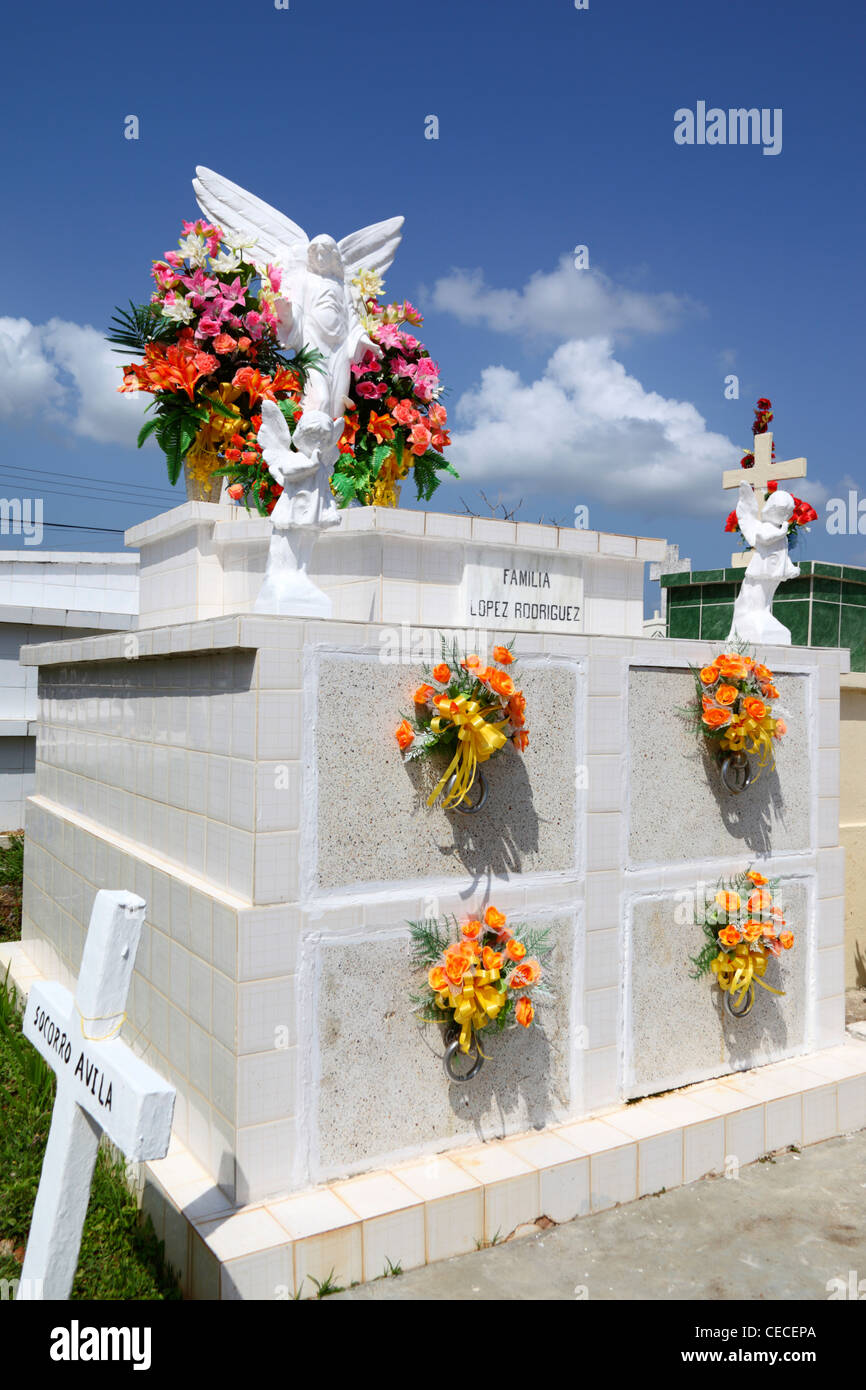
(782, 1230)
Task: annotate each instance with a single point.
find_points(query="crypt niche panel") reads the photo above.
(373, 822)
(679, 1029)
(381, 1085)
(680, 810)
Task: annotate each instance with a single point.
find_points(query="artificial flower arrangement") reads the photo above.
(469, 710)
(396, 421)
(734, 706)
(208, 339)
(743, 927)
(484, 976)
(803, 513)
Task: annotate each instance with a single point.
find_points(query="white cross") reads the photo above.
(764, 471)
(102, 1087)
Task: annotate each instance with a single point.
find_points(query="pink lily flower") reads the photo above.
(234, 293)
(388, 335)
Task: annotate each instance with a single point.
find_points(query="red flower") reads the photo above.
(732, 524)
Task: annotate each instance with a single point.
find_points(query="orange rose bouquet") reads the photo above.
(469, 710)
(734, 707)
(743, 927)
(478, 973)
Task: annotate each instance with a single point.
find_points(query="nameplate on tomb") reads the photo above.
(526, 591)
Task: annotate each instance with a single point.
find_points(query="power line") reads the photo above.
(70, 526)
(100, 497)
(148, 494)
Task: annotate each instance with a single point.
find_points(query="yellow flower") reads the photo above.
(370, 283)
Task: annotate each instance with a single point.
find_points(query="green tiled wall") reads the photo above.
(825, 607)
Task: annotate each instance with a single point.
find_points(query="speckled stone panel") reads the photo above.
(679, 809)
(383, 1088)
(680, 1029)
(373, 821)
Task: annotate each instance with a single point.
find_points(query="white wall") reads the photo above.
(45, 597)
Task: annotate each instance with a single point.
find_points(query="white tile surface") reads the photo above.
(613, 1177)
(660, 1162)
(703, 1149)
(819, 1114)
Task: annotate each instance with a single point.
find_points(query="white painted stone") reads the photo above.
(101, 1087)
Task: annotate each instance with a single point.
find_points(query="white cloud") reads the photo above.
(586, 429)
(65, 374)
(564, 303)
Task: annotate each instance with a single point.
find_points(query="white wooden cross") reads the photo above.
(764, 471)
(102, 1087)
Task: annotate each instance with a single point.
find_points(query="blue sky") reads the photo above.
(602, 386)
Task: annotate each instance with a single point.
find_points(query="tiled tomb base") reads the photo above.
(431, 1208)
(393, 565)
(242, 776)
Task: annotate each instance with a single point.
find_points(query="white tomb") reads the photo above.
(205, 559)
(241, 773)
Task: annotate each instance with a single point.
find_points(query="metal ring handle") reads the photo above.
(741, 1012)
(466, 808)
(743, 771)
(447, 1060)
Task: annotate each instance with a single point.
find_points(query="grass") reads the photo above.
(11, 879)
(120, 1256)
(326, 1285)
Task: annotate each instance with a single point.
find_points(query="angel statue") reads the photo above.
(319, 308)
(767, 534)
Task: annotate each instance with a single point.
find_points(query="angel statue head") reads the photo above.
(317, 307)
(778, 509)
(323, 257)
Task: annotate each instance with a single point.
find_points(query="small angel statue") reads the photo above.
(767, 534)
(305, 507)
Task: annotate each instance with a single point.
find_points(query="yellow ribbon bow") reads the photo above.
(742, 971)
(753, 736)
(477, 1004)
(477, 740)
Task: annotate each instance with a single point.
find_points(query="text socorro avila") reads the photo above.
(86, 1070)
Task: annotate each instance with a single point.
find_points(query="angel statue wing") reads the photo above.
(371, 248)
(276, 444)
(747, 513)
(241, 214)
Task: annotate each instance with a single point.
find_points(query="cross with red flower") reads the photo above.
(765, 473)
